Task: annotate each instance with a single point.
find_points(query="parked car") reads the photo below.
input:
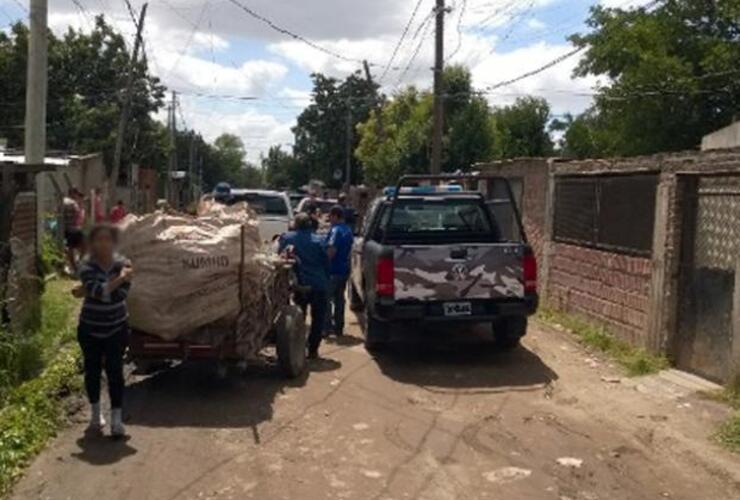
(324, 204)
(295, 199)
(441, 254)
(272, 207)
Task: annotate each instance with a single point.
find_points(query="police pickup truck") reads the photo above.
(432, 252)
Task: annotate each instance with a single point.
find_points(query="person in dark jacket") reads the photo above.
(312, 269)
(103, 326)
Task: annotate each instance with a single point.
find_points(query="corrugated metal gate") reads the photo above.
(710, 253)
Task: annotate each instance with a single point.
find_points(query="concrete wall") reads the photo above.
(726, 138)
(637, 298)
(83, 172)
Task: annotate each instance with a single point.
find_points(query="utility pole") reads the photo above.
(36, 86)
(438, 88)
(191, 168)
(172, 163)
(126, 107)
(36, 91)
(348, 151)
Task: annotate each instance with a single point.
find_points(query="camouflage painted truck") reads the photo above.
(432, 252)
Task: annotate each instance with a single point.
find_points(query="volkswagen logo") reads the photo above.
(460, 272)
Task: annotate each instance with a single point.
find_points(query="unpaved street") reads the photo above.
(453, 419)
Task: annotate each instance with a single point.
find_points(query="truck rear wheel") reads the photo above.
(509, 331)
(291, 342)
(376, 335)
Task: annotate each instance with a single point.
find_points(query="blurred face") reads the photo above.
(103, 245)
(333, 219)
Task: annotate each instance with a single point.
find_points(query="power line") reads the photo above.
(401, 40)
(537, 71)
(295, 36)
(189, 41)
(459, 31)
(415, 54)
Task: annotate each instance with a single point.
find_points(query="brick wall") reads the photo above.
(611, 288)
(23, 284)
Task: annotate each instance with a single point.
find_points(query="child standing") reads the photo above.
(103, 328)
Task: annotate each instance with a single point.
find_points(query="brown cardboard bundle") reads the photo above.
(196, 276)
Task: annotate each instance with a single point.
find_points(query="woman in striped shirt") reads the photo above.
(103, 328)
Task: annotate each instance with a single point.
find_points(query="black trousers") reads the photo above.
(318, 301)
(99, 353)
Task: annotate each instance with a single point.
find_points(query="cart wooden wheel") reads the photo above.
(291, 341)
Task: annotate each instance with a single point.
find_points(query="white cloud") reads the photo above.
(556, 84)
(536, 24)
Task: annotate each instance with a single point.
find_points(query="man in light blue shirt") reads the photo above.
(339, 247)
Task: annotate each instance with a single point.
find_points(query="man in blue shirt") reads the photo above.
(339, 246)
(312, 266)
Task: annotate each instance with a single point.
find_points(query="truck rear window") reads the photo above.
(444, 218)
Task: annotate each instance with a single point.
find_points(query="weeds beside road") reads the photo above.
(635, 360)
(37, 371)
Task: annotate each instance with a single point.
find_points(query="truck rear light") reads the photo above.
(384, 276)
(529, 265)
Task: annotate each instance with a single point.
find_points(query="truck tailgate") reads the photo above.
(454, 272)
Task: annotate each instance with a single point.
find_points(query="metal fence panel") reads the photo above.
(710, 254)
(615, 213)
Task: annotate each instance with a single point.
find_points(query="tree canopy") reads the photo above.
(672, 76)
(322, 128)
(396, 138)
(87, 77)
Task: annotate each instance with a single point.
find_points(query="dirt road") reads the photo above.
(454, 419)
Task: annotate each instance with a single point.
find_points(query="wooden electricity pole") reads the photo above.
(126, 108)
(438, 88)
(172, 162)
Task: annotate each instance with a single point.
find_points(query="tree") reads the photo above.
(87, 75)
(395, 140)
(672, 71)
(522, 128)
(321, 129)
(282, 170)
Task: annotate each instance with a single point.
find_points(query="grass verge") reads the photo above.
(634, 360)
(46, 366)
(728, 434)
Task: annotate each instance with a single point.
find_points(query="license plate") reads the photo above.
(457, 308)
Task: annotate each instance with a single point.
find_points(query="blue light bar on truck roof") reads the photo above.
(444, 188)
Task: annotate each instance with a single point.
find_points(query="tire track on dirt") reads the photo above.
(278, 431)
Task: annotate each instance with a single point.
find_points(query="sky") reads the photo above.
(210, 51)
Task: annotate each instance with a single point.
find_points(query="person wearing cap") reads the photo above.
(338, 247)
(312, 270)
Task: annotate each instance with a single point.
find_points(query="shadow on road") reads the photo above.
(460, 357)
(191, 395)
(96, 449)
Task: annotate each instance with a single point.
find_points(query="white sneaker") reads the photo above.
(116, 424)
(97, 421)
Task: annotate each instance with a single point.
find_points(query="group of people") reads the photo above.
(74, 218)
(322, 269)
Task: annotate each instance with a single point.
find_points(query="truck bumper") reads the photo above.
(482, 310)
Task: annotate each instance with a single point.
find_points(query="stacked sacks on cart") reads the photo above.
(206, 278)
